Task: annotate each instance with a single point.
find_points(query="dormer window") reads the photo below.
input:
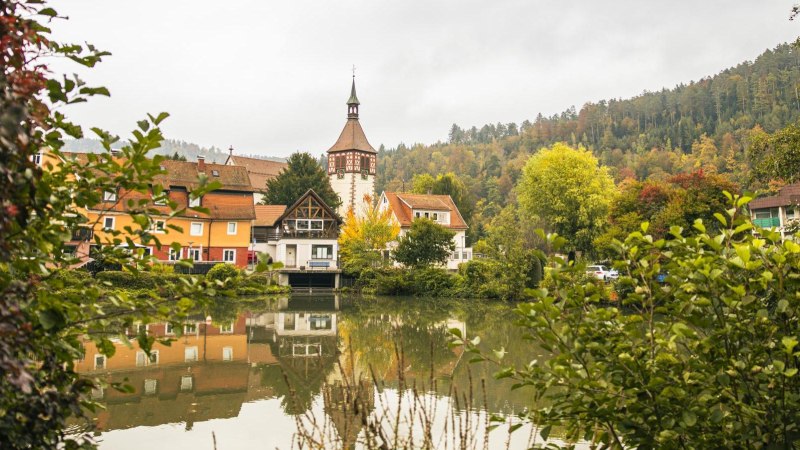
(215, 173)
(194, 202)
(160, 201)
(109, 196)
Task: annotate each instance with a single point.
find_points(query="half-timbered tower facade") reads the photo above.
(352, 161)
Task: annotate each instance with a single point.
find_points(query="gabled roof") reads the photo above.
(186, 174)
(260, 170)
(268, 215)
(232, 201)
(352, 138)
(403, 204)
(788, 195)
(317, 198)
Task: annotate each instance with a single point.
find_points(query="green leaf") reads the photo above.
(689, 418)
(789, 343)
(50, 318)
(545, 432)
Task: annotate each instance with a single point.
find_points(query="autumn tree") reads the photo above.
(302, 173)
(775, 156)
(426, 243)
(568, 192)
(365, 236)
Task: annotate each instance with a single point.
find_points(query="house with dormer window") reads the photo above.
(439, 208)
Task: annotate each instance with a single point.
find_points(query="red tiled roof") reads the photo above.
(788, 195)
(260, 170)
(267, 215)
(233, 200)
(352, 138)
(403, 204)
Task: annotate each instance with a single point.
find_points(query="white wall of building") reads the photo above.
(352, 183)
(303, 252)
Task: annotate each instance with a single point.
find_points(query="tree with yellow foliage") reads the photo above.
(364, 236)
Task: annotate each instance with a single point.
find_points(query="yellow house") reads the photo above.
(223, 234)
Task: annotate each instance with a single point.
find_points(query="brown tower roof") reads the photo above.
(352, 138)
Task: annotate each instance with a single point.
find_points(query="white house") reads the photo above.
(438, 208)
(303, 237)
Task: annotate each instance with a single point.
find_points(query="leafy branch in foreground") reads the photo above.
(706, 357)
(45, 315)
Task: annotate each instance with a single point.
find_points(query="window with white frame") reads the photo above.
(150, 386)
(109, 196)
(229, 255)
(308, 224)
(226, 328)
(174, 255)
(322, 251)
(194, 202)
(159, 226)
(97, 393)
(99, 362)
(187, 383)
(108, 223)
(169, 329)
(196, 229)
(190, 354)
(141, 359)
(195, 254)
(232, 226)
(190, 328)
(161, 199)
(37, 159)
(227, 353)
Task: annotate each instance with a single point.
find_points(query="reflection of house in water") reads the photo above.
(212, 369)
(302, 333)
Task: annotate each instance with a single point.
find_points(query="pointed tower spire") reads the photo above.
(352, 102)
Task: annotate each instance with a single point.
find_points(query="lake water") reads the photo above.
(224, 382)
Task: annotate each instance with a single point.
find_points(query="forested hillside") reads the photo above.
(701, 125)
(169, 147)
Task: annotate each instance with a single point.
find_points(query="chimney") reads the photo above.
(201, 164)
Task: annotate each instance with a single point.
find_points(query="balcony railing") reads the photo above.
(769, 222)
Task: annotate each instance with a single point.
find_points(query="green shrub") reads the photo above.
(249, 290)
(223, 271)
(162, 269)
(433, 282)
(256, 280)
(391, 282)
(276, 289)
(127, 280)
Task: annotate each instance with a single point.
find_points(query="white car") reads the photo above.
(602, 272)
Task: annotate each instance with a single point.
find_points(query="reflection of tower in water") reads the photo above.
(348, 405)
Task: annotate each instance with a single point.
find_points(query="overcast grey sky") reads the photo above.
(272, 77)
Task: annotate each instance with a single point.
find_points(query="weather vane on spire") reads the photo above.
(354, 70)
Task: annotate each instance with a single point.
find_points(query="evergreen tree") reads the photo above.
(302, 173)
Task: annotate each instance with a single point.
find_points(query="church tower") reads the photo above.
(352, 161)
